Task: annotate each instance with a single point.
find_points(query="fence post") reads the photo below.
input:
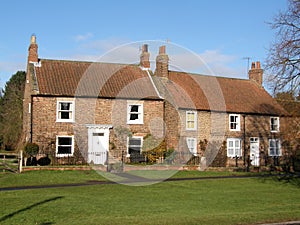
(21, 161)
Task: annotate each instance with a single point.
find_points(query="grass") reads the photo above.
(220, 201)
(47, 177)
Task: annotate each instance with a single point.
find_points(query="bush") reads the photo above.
(44, 161)
(31, 149)
(153, 148)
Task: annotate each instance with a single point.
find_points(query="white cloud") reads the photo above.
(209, 62)
(83, 37)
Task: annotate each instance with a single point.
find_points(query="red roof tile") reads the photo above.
(73, 78)
(220, 94)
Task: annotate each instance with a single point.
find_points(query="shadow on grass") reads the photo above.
(291, 178)
(28, 208)
(285, 178)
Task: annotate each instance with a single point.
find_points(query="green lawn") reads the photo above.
(220, 201)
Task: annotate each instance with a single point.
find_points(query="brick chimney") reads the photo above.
(162, 63)
(256, 73)
(144, 58)
(33, 50)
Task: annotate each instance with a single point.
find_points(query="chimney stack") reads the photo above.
(162, 63)
(33, 50)
(144, 58)
(256, 73)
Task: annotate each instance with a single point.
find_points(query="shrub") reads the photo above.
(153, 148)
(31, 149)
(44, 161)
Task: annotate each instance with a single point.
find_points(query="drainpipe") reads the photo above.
(244, 139)
(31, 125)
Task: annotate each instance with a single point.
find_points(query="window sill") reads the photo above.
(133, 123)
(65, 121)
(63, 155)
(191, 129)
(235, 130)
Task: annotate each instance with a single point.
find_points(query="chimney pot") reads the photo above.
(145, 48)
(258, 65)
(145, 57)
(162, 63)
(162, 50)
(33, 50)
(256, 73)
(33, 39)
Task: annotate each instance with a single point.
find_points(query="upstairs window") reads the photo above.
(274, 124)
(191, 120)
(135, 113)
(234, 147)
(65, 111)
(234, 122)
(64, 146)
(192, 145)
(274, 147)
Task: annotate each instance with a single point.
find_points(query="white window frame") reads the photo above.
(134, 137)
(272, 119)
(187, 121)
(277, 147)
(72, 111)
(192, 145)
(57, 145)
(237, 122)
(140, 113)
(233, 151)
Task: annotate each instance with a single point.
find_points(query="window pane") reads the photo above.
(232, 119)
(65, 106)
(237, 143)
(64, 141)
(134, 145)
(135, 141)
(64, 115)
(190, 116)
(134, 116)
(190, 124)
(64, 150)
(134, 108)
(134, 150)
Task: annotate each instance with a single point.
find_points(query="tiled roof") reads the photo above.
(213, 93)
(73, 78)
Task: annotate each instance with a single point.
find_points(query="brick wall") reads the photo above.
(45, 128)
(214, 128)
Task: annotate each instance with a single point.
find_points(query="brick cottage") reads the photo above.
(92, 112)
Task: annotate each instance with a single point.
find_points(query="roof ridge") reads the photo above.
(208, 75)
(81, 61)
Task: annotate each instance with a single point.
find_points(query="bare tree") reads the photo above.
(283, 62)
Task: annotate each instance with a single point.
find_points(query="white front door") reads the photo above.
(98, 144)
(254, 151)
(98, 155)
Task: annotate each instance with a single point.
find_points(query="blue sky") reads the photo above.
(221, 32)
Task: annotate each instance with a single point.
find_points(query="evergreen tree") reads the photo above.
(11, 111)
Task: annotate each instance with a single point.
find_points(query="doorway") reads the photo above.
(98, 144)
(254, 151)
